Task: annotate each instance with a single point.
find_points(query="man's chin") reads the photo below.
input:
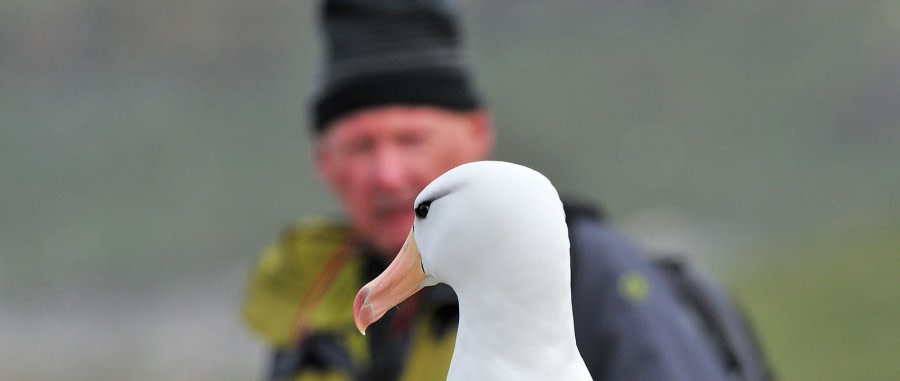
(392, 232)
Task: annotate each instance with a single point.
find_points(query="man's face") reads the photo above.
(378, 160)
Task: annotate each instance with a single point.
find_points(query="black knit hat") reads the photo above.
(390, 52)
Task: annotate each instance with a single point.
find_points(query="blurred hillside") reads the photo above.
(826, 305)
(149, 149)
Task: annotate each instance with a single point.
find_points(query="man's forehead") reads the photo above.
(391, 119)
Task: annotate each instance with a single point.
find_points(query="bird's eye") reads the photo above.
(422, 209)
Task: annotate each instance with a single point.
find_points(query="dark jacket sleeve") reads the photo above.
(628, 325)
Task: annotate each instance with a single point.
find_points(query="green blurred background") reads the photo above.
(148, 150)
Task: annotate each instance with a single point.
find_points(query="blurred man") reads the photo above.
(396, 109)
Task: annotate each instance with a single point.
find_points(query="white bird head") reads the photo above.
(482, 227)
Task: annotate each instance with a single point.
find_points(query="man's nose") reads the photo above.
(389, 168)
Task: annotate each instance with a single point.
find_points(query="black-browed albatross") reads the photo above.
(495, 232)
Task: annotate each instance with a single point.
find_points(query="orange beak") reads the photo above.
(402, 278)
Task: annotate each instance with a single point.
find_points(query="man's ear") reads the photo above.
(483, 130)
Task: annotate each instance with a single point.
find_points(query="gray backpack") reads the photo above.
(716, 313)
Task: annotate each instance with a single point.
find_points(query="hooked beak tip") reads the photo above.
(358, 309)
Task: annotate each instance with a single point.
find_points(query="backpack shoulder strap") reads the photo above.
(721, 318)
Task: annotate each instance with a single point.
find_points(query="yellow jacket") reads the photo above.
(303, 288)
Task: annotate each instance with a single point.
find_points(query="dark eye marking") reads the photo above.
(422, 209)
